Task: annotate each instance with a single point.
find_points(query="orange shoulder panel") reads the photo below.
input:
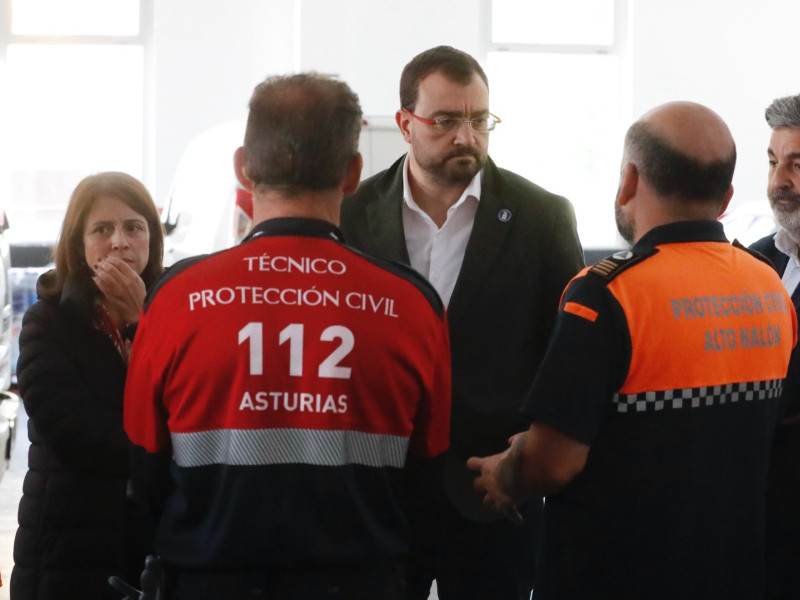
(704, 314)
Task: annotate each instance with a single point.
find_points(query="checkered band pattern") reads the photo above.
(698, 397)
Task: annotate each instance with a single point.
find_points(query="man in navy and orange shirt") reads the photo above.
(654, 409)
(288, 396)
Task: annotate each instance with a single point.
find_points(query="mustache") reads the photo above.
(784, 195)
(463, 151)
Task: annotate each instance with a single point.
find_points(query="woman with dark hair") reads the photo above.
(77, 525)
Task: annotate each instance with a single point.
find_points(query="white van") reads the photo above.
(208, 210)
(9, 402)
(201, 215)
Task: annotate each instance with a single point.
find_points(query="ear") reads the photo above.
(353, 177)
(628, 185)
(403, 120)
(239, 169)
(726, 200)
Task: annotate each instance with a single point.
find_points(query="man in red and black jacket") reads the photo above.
(289, 396)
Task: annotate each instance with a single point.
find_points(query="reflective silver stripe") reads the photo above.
(288, 446)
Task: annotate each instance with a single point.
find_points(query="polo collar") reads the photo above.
(295, 226)
(681, 232)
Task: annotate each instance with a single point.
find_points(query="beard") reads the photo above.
(624, 227)
(786, 208)
(457, 167)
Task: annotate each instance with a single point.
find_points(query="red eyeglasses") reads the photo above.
(444, 124)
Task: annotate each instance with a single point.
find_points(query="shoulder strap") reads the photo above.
(752, 252)
(613, 265)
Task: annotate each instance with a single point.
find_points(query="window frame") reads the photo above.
(619, 47)
(145, 39)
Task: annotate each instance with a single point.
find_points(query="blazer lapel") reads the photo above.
(780, 261)
(493, 222)
(385, 218)
(796, 299)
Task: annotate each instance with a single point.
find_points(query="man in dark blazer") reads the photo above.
(499, 250)
(783, 249)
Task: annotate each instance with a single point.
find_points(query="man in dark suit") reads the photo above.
(783, 249)
(499, 250)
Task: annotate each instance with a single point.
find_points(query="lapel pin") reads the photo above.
(504, 216)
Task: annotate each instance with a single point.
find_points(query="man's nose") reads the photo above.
(465, 135)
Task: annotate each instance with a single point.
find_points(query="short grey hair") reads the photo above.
(784, 112)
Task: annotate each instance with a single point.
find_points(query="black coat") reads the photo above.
(76, 524)
(783, 488)
(791, 387)
(522, 252)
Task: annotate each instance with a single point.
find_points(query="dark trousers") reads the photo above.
(783, 516)
(468, 560)
(352, 582)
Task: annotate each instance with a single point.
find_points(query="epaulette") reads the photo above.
(737, 244)
(613, 265)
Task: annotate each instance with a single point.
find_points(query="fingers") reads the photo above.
(516, 437)
(123, 587)
(115, 277)
(114, 267)
(511, 513)
(503, 504)
(478, 484)
(122, 287)
(474, 463)
(486, 484)
(496, 500)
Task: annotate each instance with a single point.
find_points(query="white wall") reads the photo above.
(368, 42)
(734, 55)
(210, 55)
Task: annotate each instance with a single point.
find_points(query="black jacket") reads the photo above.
(76, 523)
(783, 490)
(791, 387)
(523, 250)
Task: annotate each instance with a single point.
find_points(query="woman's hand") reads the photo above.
(123, 289)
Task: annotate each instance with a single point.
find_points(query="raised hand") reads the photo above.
(122, 287)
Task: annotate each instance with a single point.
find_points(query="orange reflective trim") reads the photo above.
(581, 311)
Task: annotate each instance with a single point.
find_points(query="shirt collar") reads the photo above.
(786, 244)
(472, 190)
(295, 226)
(682, 231)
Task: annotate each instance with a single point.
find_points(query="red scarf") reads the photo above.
(104, 322)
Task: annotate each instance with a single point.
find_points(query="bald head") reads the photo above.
(692, 129)
(685, 151)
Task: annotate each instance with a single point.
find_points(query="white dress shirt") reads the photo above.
(437, 253)
(791, 276)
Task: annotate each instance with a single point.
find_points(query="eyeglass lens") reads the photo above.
(480, 124)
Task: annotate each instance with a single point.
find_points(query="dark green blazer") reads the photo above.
(522, 252)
